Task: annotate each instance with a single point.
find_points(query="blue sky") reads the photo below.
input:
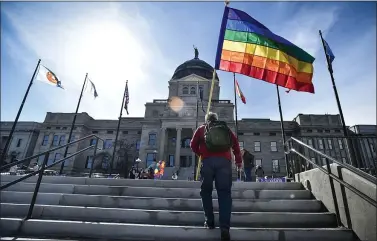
(144, 43)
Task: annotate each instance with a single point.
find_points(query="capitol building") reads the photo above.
(165, 131)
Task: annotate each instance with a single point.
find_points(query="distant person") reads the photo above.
(259, 173)
(248, 164)
(213, 142)
(175, 176)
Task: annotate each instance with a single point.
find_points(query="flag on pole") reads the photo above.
(93, 88)
(127, 101)
(329, 52)
(49, 77)
(239, 93)
(248, 47)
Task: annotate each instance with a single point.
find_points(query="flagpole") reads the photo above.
(235, 102)
(5, 150)
(287, 168)
(329, 65)
(116, 136)
(73, 123)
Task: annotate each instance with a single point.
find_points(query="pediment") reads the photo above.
(193, 78)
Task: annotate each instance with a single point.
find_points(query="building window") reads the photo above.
(241, 144)
(93, 141)
(55, 140)
(173, 141)
(240, 133)
(50, 161)
(75, 128)
(275, 166)
(110, 132)
(95, 132)
(186, 161)
(200, 89)
(62, 140)
(310, 142)
(58, 128)
(125, 132)
(107, 144)
(256, 134)
(152, 140)
(19, 141)
(340, 142)
(192, 91)
(66, 162)
(186, 143)
(274, 146)
(320, 131)
(309, 131)
(45, 140)
(150, 159)
(64, 128)
(57, 157)
(40, 160)
(257, 146)
(258, 162)
(320, 143)
(329, 142)
(73, 138)
(139, 132)
(48, 127)
(185, 91)
(327, 131)
(337, 131)
(89, 162)
(171, 161)
(272, 133)
(137, 145)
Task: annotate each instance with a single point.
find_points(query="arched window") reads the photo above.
(185, 91)
(192, 91)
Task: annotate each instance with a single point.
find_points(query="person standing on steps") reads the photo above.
(259, 173)
(213, 142)
(248, 164)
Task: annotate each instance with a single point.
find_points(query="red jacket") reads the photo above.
(199, 147)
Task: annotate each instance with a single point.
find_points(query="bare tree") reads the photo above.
(123, 150)
(101, 161)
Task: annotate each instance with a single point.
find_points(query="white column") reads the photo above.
(162, 144)
(178, 148)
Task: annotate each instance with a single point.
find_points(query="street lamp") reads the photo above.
(137, 163)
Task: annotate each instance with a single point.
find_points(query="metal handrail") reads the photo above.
(344, 165)
(48, 151)
(40, 172)
(289, 149)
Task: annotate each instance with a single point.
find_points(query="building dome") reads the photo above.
(194, 66)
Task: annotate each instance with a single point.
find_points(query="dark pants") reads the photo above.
(220, 170)
(247, 171)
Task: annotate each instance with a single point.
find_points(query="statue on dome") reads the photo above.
(196, 52)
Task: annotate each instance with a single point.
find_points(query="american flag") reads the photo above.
(127, 98)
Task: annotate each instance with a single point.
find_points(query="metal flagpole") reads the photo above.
(235, 102)
(5, 150)
(287, 167)
(117, 134)
(329, 65)
(73, 124)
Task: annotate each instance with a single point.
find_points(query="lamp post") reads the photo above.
(137, 163)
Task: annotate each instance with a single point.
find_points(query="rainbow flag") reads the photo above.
(248, 47)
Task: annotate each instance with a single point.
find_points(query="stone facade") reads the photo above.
(165, 130)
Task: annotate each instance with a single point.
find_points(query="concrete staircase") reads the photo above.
(111, 209)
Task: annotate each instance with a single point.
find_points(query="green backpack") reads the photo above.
(217, 136)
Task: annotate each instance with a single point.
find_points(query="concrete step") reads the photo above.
(157, 191)
(251, 205)
(169, 217)
(79, 229)
(152, 183)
